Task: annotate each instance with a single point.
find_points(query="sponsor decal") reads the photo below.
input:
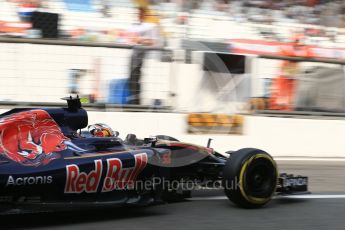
(78, 182)
(117, 177)
(34, 180)
(293, 182)
(31, 138)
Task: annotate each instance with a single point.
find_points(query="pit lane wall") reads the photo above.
(281, 137)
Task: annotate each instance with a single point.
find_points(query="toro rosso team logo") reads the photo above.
(31, 138)
(117, 177)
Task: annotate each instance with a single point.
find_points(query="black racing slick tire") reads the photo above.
(250, 178)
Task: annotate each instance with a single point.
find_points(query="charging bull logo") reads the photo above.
(31, 138)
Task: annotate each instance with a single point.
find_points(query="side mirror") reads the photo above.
(151, 140)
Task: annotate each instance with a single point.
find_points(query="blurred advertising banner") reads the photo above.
(248, 46)
(212, 123)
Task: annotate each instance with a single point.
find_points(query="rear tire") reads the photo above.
(250, 178)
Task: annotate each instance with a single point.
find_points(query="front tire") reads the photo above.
(250, 178)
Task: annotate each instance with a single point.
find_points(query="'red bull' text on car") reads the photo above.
(46, 161)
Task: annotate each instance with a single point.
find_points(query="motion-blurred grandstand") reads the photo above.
(97, 65)
(105, 20)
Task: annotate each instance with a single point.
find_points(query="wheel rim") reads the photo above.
(260, 178)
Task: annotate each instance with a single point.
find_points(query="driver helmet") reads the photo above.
(101, 130)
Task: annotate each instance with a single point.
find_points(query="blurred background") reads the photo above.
(211, 59)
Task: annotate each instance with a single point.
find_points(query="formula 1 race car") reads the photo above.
(48, 163)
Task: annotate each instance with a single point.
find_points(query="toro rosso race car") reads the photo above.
(48, 163)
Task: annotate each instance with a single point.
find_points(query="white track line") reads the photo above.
(315, 196)
(309, 159)
(309, 196)
(209, 198)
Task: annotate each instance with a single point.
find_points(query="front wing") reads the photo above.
(289, 184)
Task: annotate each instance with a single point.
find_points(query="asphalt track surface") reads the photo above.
(323, 210)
